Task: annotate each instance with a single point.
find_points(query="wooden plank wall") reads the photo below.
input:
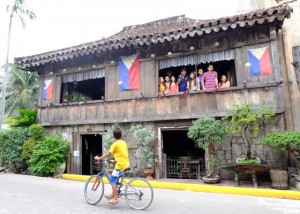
(160, 109)
(243, 72)
(76, 161)
(147, 81)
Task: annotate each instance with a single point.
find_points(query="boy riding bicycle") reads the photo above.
(120, 152)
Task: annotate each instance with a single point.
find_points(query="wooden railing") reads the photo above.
(172, 107)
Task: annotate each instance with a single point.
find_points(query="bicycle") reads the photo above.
(134, 191)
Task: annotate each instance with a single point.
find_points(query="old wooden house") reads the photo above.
(86, 98)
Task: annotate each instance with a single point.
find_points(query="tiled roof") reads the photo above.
(163, 30)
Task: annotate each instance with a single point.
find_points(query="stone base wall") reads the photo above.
(68, 133)
(235, 147)
(227, 153)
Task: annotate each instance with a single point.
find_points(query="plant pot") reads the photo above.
(61, 169)
(149, 173)
(214, 180)
(279, 179)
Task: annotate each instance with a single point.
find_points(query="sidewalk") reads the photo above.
(225, 187)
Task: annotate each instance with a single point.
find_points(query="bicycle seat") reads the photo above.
(127, 169)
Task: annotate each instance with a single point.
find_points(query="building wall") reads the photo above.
(235, 147)
(227, 153)
(291, 25)
(289, 37)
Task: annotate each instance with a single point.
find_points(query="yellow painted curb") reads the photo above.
(272, 193)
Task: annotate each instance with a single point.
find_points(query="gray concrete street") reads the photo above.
(28, 194)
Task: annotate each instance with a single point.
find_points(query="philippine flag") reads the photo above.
(130, 73)
(260, 62)
(48, 89)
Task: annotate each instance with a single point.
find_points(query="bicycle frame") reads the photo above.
(121, 182)
(104, 172)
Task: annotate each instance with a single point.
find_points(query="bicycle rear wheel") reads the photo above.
(139, 193)
(94, 189)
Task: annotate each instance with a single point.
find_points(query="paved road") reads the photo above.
(28, 194)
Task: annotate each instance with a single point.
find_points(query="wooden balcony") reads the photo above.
(172, 107)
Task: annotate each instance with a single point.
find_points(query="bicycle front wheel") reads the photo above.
(139, 193)
(94, 189)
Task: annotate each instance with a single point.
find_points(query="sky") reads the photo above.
(64, 23)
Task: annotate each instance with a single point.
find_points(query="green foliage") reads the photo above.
(76, 98)
(11, 142)
(36, 133)
(26, 118)
(249, 161)
(28, 148)
(283, 141)
(108, 138)
(246, 120)
(22, 90)
(145, 138)
(244, 115)
(207, 130)
(48, 155)
(214, 161)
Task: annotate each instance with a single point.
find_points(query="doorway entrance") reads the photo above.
(91, 146)
(182, 157)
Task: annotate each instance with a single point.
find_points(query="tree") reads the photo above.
(207, 131)
(11, 142)
(37, 133)
(246, 120)
(48, 154)
(26, 118)
(284, 141)
(17, 8)
(145, 138)
(22, 90)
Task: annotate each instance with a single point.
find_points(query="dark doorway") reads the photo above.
(183, 158)
(91, 146)
(176, 144)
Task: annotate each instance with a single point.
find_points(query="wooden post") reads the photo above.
(285, 96)
(296, 63)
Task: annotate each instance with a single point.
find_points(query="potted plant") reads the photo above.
(246, 120)
(286, 141)
(145, 138)
(206, 132)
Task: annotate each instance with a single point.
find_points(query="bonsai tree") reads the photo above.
(144, 138)
(284, 141)
(246, 120)
(207, 131)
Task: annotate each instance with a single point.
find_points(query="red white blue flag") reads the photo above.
(48, 89)
(130, 73)
(260, 62)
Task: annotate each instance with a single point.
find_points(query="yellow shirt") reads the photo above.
(120, 152)
(162, 87)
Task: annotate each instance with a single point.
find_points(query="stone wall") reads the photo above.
(227, 153)
(68, 133)
(235, 147)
